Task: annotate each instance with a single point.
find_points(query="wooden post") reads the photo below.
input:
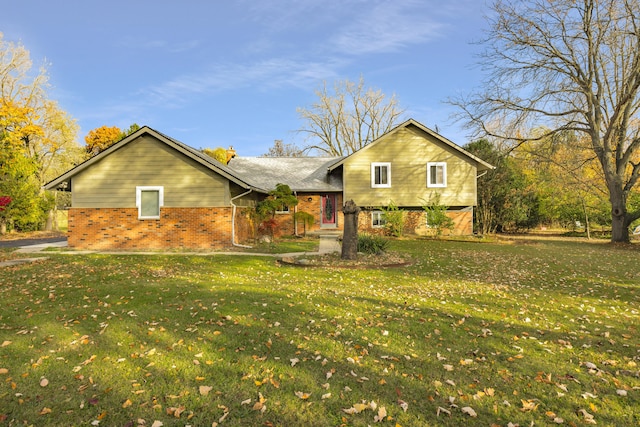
(350, 235)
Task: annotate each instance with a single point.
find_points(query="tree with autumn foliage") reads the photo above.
(219, 153)
(99, 139)
(37, 139)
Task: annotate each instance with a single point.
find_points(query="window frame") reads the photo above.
(142, 188)
(444, 174)
(380, 218)
(284, 209)
(375, 165)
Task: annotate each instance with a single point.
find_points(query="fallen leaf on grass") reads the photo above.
(157, 423)
(4, 371)
(175, 411)
(382, 414)
(303, 396)
(260, 404)
(469, 411)
(587, 417)
(204, 390)
(441, 409)
(45, 411)
(357, 408)
(5, 343)
(127, 403)
(528, 405)
(44, 382)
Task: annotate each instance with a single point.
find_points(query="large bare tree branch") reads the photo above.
(566, 65)
(350, 118)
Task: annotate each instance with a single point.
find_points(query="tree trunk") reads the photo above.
(48, 225)
(619, 227)
(350, 235)
(619, 220)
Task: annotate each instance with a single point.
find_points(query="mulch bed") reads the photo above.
(363, 261)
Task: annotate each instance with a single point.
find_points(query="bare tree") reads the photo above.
(353, 116)
(280, 149)
(569, 65)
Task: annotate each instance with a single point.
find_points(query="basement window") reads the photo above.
(148, 201)
(377, 219)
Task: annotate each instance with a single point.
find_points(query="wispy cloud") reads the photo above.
(265, 75)
(388, 26)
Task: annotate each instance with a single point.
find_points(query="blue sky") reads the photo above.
(220, 73)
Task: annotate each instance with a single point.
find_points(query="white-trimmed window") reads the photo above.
(284, 209)
(436, 174)
(380, 175)
(377, 219)
(149, 200)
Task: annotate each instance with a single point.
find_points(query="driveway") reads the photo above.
(28, 242)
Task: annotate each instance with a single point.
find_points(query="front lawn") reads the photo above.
(526, 333)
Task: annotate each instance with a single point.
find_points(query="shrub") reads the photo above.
(394, 220)
(437, 217)
(372, 244)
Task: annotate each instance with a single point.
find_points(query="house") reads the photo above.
(149, 191)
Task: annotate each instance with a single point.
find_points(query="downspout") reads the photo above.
(233, 220)
(295, 219)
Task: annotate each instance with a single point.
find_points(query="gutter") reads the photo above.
(233, 220)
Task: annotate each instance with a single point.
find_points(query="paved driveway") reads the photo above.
(27, 242)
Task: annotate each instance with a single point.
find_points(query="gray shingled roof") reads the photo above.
(299, 173)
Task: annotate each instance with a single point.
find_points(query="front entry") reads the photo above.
(328, 211)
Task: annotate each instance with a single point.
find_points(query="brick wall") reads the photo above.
(309, 203)
(415, 223)
(188, 228)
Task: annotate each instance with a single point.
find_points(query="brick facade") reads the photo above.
(415, 223)
(415, 220)
(310, 203)
(177, 228)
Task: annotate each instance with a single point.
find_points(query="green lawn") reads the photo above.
(530, 333)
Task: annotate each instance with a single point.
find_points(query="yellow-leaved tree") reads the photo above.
(37, 139)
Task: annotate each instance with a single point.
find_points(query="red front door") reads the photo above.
(328, 211)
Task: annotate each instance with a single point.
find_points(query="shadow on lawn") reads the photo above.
(123, 338)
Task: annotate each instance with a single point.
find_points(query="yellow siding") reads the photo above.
(112, 181)
(408, 150)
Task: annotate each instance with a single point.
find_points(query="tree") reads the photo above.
(353, 116)
(101, 138)
(219, 153)
(37, 138)
(279, 198)
(394, 219)
(507, 200)
(568, 179)
(569, 65)
(281, 149)
(436, 213)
